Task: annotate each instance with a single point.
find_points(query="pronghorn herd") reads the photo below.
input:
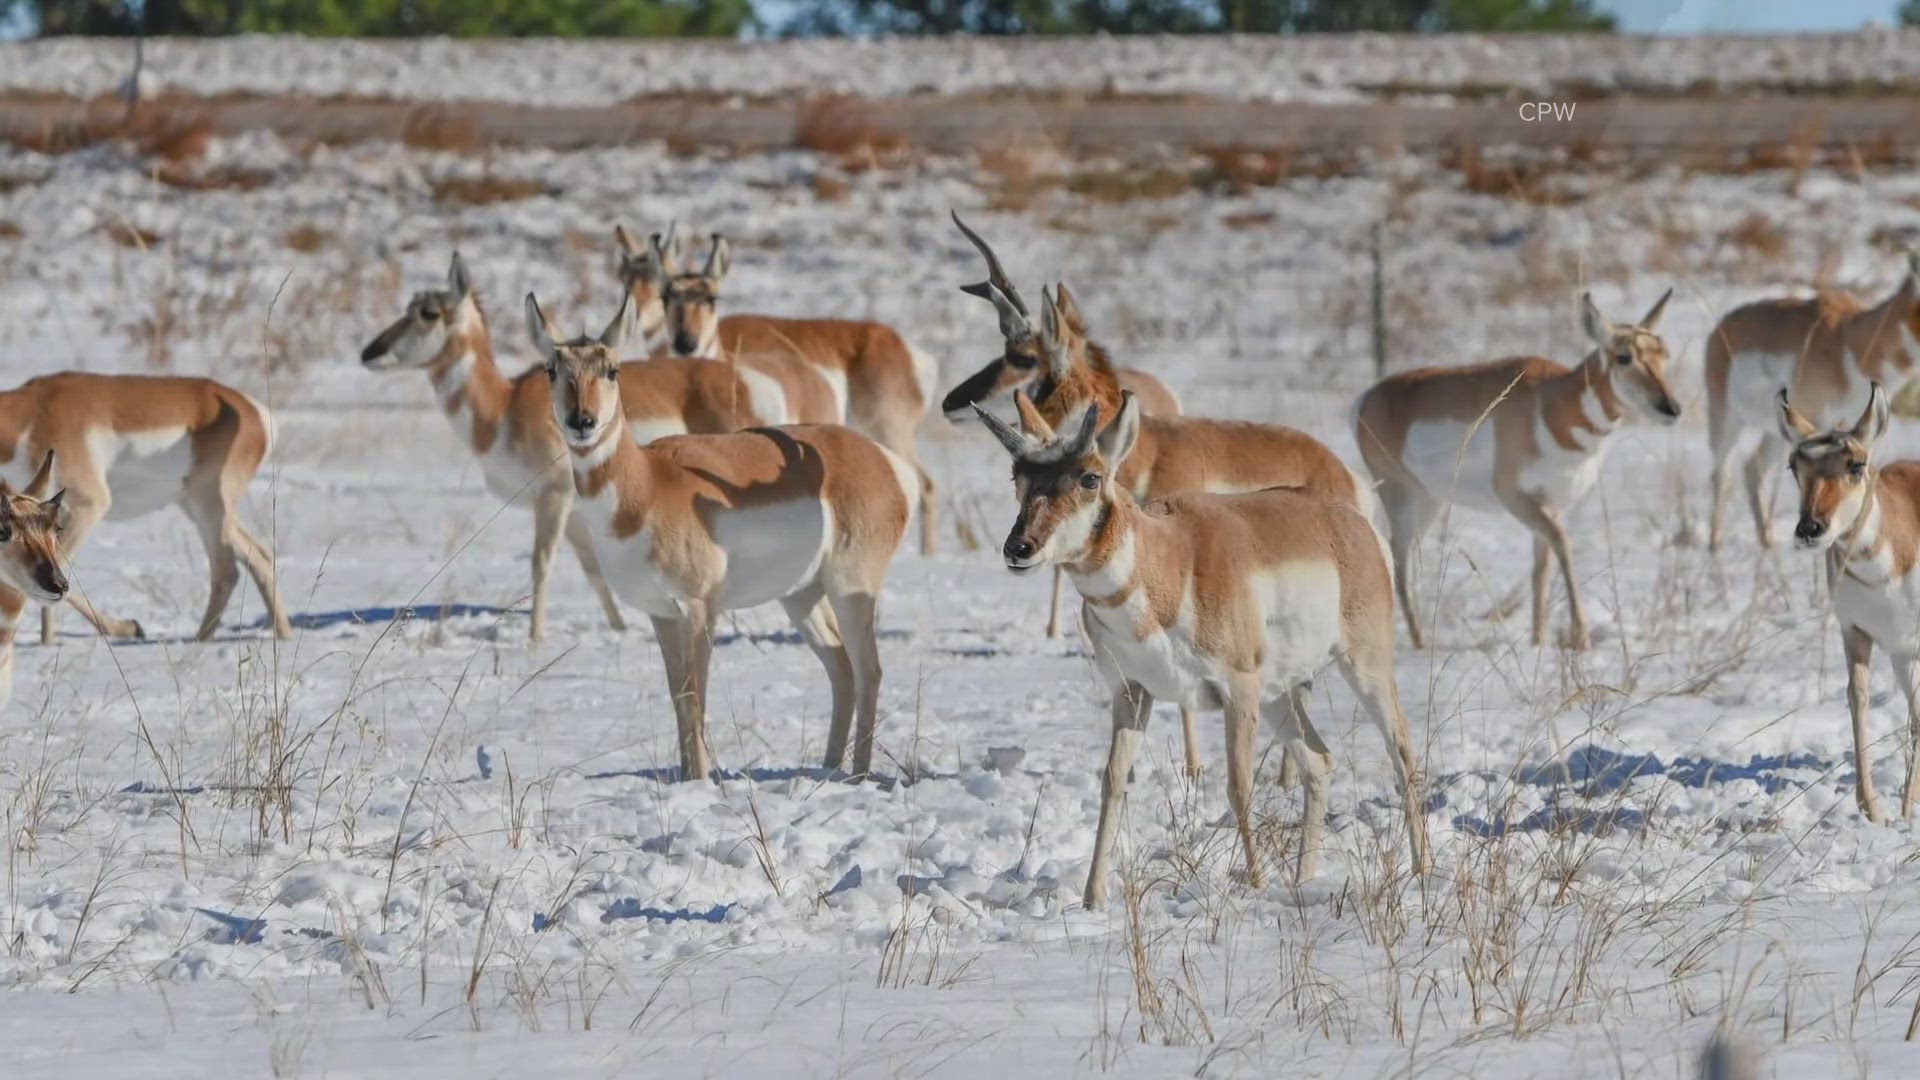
(698, 461)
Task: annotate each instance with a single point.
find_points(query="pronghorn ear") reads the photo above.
(42, 479)
(1118, 440)
(719, 257)
(459, 282)
(1085, 426)
(1069, 312)
(1031, 421)
(628, 244)
(1597, 328)
(540, 330)
(1016, 443)
(615, 335)
(1793, 427)
(1014, 325)
(1873, 419)
(1659, 308)
(660, 261)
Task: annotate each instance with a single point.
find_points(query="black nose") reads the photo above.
(1670, 409)
(1809, 529)
(373, 352)
(582, 422)
(54, 582)
(685, 343)
(1018, 547)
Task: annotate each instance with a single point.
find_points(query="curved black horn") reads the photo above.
(996, 277)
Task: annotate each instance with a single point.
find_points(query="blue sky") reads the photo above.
(1693, 16)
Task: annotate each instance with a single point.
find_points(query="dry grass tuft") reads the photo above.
(845, 126)
(224, 178)
(1247, 219)
(10, 230)
(173, 140)
(1758, 235)
(307, 238)
(441, 127)
(488, 190)
(128, 235)
(829, 188)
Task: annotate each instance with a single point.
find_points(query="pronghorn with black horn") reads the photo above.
(1525, 435)
(128, 445)
(1176, 454)
(31, 523)
(690, 526)
(507, 422)
(1824, 350)
(877, 383)
(1867, 521)
(1233, 602)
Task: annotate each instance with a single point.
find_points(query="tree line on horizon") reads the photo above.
(796, 18)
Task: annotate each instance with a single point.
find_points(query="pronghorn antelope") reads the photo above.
(507, 422)
(876, 382)
(1525, 435)
(689, 526)
(30, 528)
(1867, 521)
(1175, 454)
(1233, 602)
(129, 445)
(1824, 350)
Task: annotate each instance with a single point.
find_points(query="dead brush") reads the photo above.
(844, 126)
(488, 190)
(918, 948)
(1757, 236)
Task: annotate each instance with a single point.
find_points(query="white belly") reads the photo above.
(1449, 464)
(837, 381)
(771, 551)
(145, 470)
(765, 396)
(1560, 477)
(1302, 602)
(645, 430)
(509, 478)
(1162, 662)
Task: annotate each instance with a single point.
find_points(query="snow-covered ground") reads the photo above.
(1257, 68)
(478, 865)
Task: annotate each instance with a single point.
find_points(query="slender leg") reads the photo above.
(1546, 526)
(85, 511)
(209, 516)
(1541, 586)
(550, 511)
(1859, 649)
(1131, 707)
(259, 563)
(1243, 720)
(583, 550)
(1717, 498)
(1409, 514)
(1904, 670)
(686, 644)
(929, 510)
(1053, 605)
(1288, 716)
(6, 664)
(813, 617)
(855, 614)
(1369, 670)
(1759, 493)
(1191, 739)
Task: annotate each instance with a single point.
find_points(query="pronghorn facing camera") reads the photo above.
(692, 525)
(507, 422)
(1867, 521)
(1174, 454)
(875, 382)
(1021, 361)
(1824, 351)
(30, 527)
(1524, 435)
(129, 445)
(1232, 602)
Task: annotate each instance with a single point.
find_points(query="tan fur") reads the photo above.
(1867, 520)
(670, 505)
(1530, 408)
(1836, 344)
(228, 435)
(1194, 571)
(885, 396)
(696, 396)
(31, 524)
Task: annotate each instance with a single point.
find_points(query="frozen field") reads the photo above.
(419, 848)
(1238, 67)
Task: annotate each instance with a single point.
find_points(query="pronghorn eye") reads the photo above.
(1856, 469)
(613, 373)
(1021, 360)
(1625, 357)
(430, 314)
(1089, 480)
(553, 372)
(6, 533)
